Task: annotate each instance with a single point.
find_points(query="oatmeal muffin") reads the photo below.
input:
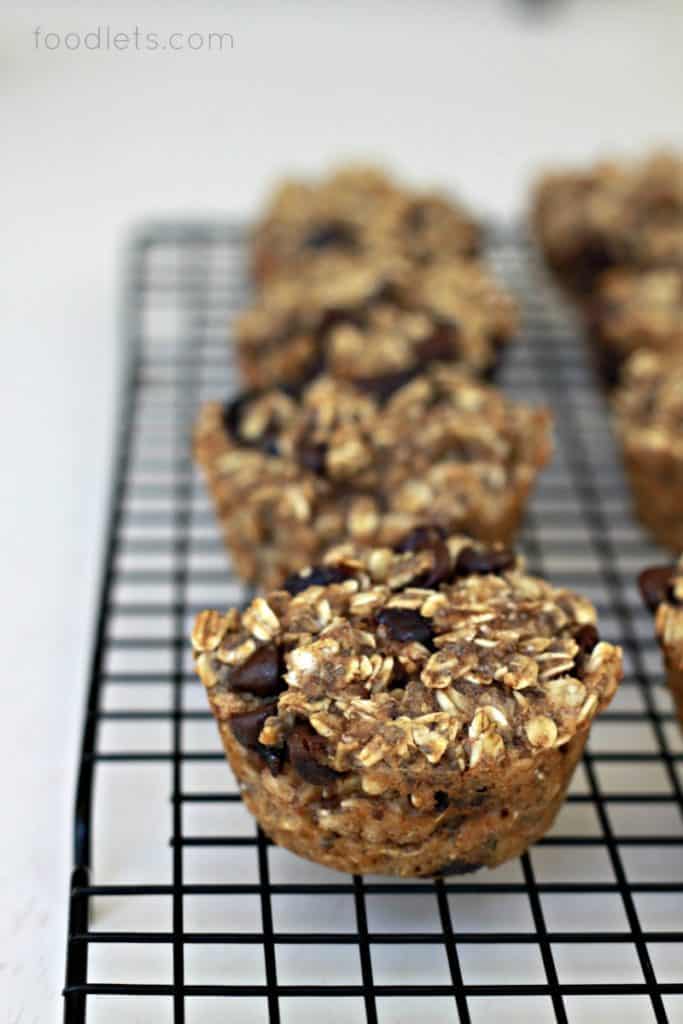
(611, 215)
(353, 211)
(413, 711)
(370, 320)
(290, 475)
(649, 424)
(662, 590)
(636, 309)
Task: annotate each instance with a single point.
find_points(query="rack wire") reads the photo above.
(181, 910)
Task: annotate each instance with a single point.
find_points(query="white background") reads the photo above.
(473, 95)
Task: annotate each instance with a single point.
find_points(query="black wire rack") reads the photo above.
(181, 910)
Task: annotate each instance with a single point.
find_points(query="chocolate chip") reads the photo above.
(587, 637)
(441, 800)
(399, 677)
(655, 585)
(332, 235)
(406, 626)
(483, 560)
(306, 751)
(429, 538)
(383, 386)
(260, 674)
(233, 410)
(311, 455)
(232, 420)
(440, 345)
(319, 576)
(458, 867)
(247, 726)
(273, 756)
(609, 362)
(595, 258)
(421, 537)
(496, 361)
(385, 292)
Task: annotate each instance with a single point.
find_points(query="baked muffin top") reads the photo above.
(614, 213)
(441, 446)
(369, 318)
(353, 211)
(439, 654)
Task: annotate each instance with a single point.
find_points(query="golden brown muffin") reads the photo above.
(290, 475)
(412, 712)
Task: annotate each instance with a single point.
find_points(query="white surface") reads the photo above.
(473, 96)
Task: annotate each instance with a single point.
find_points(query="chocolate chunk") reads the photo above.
(385, 292)
(406, 626)
(233, 410)
(333, 235)
(260, 674)
(273, 756)
(491, 371)
(655, 585)
(429, 538)
(441, 800)
(306, 752)
(440, 570)
(421, 537)
(247, 726)
(383, 386)
(595, 258)
(587, 637)
(399, 677)
(441, 344)
(232, 420)
(311, 455)
(486, 560)
(330, 319)
(458, 867)
(319, 576)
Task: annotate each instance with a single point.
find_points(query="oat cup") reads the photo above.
(355, 211)
(292, 474)
(413, 711)
(373, 322)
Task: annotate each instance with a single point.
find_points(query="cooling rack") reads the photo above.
(180, 910)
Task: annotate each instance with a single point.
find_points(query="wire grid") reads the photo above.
(181, 910)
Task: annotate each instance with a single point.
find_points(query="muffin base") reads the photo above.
(460, 827)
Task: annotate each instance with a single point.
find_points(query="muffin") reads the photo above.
(636, 309)
(354, 211)
(292, 474)
(373, 320)
(662, 590)
(413, 711)
(649, 425)
(610, 215)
